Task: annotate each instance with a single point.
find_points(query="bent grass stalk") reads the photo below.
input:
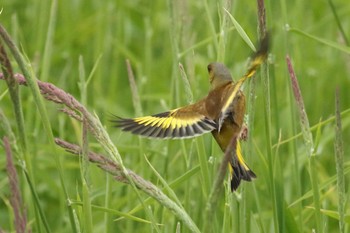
(113, 164)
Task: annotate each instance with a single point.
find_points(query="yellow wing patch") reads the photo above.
(258, 58)
(172, 124)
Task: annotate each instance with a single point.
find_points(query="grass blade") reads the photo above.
(46, 62)
(332, 44)
(241, 32)
(31, 81)
(337, 20)
(211, 24)
(17, 107)
(339, 160)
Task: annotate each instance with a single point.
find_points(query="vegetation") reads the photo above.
(298, 116)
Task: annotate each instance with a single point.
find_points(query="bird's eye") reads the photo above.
(209, 67)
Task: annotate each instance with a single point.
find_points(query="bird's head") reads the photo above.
(218, 74)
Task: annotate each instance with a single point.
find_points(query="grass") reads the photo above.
(82, 48)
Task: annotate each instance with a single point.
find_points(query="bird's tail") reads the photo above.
(239, 170)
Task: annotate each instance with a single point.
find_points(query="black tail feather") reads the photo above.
(238, 173)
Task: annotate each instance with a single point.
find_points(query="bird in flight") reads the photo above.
(221, 112)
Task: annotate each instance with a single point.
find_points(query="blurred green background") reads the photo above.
(156, 36)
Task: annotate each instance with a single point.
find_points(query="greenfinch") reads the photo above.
(221, 112)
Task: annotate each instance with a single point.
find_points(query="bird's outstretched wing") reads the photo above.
(182, 122)
(257, 59)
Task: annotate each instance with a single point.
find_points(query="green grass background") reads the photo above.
(156, 36)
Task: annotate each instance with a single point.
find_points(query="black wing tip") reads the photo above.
(120, 122)
(264, 46)
(162, 114)
(156, 132)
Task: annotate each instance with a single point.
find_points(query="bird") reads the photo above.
(221, 112)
